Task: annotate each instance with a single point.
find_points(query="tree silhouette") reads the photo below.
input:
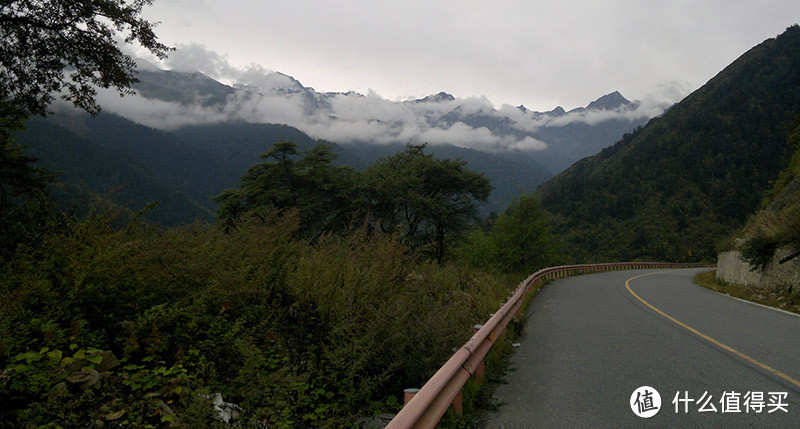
(428, 200)
(49, 46)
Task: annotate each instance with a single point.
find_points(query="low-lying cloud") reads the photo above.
(265, 96)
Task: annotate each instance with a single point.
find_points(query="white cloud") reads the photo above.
(156, 113)
(270, 97)
(195, 57)
(535, 53)
(529, 143)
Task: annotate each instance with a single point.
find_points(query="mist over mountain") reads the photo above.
(190, 134)
(170, 99)
(183, 168)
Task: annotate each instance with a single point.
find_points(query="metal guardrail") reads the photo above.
(426, 406)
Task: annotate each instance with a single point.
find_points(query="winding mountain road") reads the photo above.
(592, 340)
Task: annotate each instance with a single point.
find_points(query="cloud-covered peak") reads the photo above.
(436, 98)
(608, 102)
(144, 65)
(187, 94)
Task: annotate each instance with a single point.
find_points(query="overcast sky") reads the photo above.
(537, 53)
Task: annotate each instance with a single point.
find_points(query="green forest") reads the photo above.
(675, 188)
(777, 224)
(311, 293)
(313, 297)
(319, 294)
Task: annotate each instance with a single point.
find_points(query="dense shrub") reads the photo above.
(140, 326)
(519, 241)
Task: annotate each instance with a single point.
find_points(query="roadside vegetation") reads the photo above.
(138, 325)
(777, 225)
(301, 306)
(784, 299)
(318, 295)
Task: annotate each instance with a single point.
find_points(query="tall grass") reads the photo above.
(294, 332)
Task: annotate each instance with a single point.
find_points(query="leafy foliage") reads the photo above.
(325, 195)
(510, 172)
(425, 199)
(295, 334)
(523, 237)
(46, 47)
(40, 39)
(519, 242)
(672, 189)
(428, 201)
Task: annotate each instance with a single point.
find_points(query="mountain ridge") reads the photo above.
(671, 189)
(554, 138)
(196, 162)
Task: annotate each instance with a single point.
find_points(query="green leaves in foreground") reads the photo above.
(293, 333)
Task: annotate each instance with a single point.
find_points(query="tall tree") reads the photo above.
(49, 47)
(428, 200)
(522, 236)
(520, 240)
(325, 195)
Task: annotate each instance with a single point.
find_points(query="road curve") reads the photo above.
(592, 340)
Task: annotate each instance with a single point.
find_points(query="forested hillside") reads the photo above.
(777, 225)
(89, 170)
(196, 162)
(673, 188)
(282, 282)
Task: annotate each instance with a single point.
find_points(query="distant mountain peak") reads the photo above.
(436, 98)
(144, 65)
(558, 111)
(292, 81)
(608, 102)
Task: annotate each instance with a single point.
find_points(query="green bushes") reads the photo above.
(281, 308)
(520, 241)
(769, 231)
(293, 333)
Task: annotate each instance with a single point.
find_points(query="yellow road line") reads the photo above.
(706, 337)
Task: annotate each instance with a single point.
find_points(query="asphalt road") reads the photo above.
(590, 343)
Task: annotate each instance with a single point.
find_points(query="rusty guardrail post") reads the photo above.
(458, 405)
(408, 394)
(479, 369)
